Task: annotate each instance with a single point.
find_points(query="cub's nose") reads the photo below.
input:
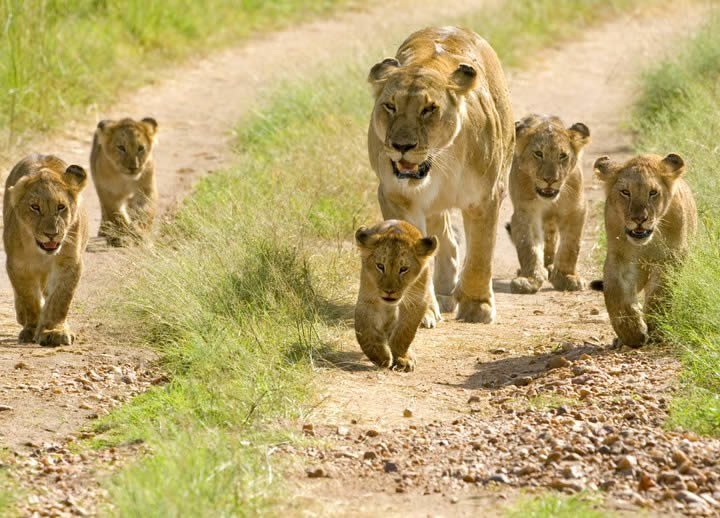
(403, 148)
(50, 236)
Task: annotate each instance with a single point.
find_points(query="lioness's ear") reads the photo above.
(364, 237)
(580, 135)
(605, 168)
(150, 124)
(380, 72)
(76, 177)
(464, 78)
(674, 166)
(426, 246)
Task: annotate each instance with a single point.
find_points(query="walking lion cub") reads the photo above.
(394, 291)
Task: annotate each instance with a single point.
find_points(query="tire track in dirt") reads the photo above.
(466, 374)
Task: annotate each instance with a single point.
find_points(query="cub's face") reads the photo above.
(46, 204)
(417, 113)
(548, 152)
(639, 193)
(128, 143)
(393, 255)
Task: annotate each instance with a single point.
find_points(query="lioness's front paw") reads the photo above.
(525, 285)
(447, 303)
(476, 311)
(562, 282)
(431, 318)
(405, 363)
(55, 337)
(27, 335)
(634, 342)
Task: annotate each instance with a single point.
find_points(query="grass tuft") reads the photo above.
(554, 505)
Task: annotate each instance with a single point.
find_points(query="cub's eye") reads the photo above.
(625, 193)
(61, 207)
(563, 157)
(390, 107)
(121, 148)
(403, 269)
(538, 154)
(35, 208)
(380, 267)
(429, 110)
(653, 193)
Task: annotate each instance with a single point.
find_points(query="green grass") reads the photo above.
(678, 112)
(57, 56)
(553, 505)
(252, 280)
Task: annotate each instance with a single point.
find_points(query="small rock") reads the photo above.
(474, 399)
(626, 463)
(22, 365)
(390, 467)
(527, 470)
(690, 498)
(454, 500)
(523, 381)
(308, 429)
(584, 393)
(499, 350)
(469, 478)
(584, 357)
(611, 439)
(407, 413)
(594, 311)
(500, 478)
(372, 433)
(558, 362)
(709, 499)
(582, 379)
(572, 471)
(564, 485)
(318, 472)
(5, 408)
(679, 458)
(369, 455)
(645, 482)
(343, 431)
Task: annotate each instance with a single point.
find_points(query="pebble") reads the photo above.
(318, 472)
(690, 498)
(523, 381)
(474, 399)
(558, 362)
(372, 433)
(500, 478)
(370, 455)
(5, 408)
(627, 463)
(407, 413)
(390, 467)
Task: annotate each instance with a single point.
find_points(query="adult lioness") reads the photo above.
(442, 136)
(45, 233)
(394, 291)
(123, 172)
(546, 189)
(649, 216)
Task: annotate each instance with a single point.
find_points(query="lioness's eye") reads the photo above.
(390, 107)
(61, 207)
(380, 267)
(403, 269)
(538, 154)
(625, 193)
(35, 208)
(121, 148)
(429, 110)
(141, 149)
(653, 193)
(563, 157)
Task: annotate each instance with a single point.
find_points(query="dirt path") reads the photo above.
(489, 412)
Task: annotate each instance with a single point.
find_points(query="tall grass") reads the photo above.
(246, 285)
(57, 56)
(679, 112)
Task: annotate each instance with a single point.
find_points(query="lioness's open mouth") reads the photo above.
(547, 192)
(390, 300)
(49, 247)
(407, 170)
(639, 233)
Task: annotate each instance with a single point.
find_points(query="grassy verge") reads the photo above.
(253, 278)
(552, 505)
(60, 55)
(678, 112)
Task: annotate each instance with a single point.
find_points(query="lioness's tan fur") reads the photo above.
(646, 192)
(546, 189)
(444, 99)
(394, 291)
(123, 171)
(42, 207)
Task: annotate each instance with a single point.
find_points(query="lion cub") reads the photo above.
(394, 291)
(650, 215)
(45, 233)
(123, 171)
(546, 189)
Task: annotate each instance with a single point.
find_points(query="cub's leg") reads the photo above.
(52, 330)
(656, 295)
(474, 293)
(527, 235)
(115, 222)
(141, 207)
(620, 288)
(28, 301)
(413, 307)
(445, 273)
(550, 229)
(564, 274)
(371, 331)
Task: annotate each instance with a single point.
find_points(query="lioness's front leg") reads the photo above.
(564, 274)
(52, 329)
(27, 301)
(474, 293)
(527, 235)
(445, 273)
(620, 289)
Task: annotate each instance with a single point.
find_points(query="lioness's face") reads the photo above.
(394, 254)
(46, 204)
(549, 152)
(417, 113)
(639, 193)
(128, 143)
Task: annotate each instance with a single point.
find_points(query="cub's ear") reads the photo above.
(104, 125)
(16, 191)
(380, 72)
(76, 177)
(580, 135)
(464, 78)
(673, 165)
(150, 124)
(605, 169)
(426, 246)
(365, 238)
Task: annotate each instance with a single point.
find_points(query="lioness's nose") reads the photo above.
(639, 218)
(404, 147)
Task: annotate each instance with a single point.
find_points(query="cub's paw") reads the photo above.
(562, 282)
(634, 342)
(27, 335)
(525, 285)
(405, 363)
(55, 337)
(380, 356)
(476, 311)
(431, 318)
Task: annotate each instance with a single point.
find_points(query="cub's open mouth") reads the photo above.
(547, 192)
(391, 300)
(642, 233)
(409, 171)
(49, 246)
